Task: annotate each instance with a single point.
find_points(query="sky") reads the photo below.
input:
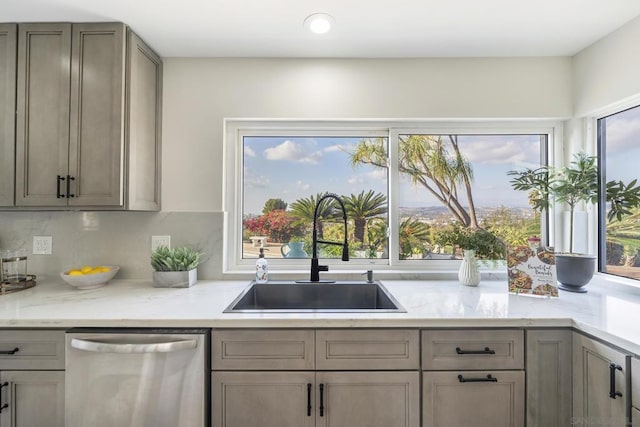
(291, 168)
(623, 145)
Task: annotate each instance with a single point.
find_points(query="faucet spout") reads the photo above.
(316, 268)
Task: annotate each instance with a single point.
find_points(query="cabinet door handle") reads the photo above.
(6, 405)
(486, 350)
(613, 393)
(487, 379)
(321, 409)
(308, 399)
(69, 179)
(58, 179)
(11, 352)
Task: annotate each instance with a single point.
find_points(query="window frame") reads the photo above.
(235, 129)
(596, 145)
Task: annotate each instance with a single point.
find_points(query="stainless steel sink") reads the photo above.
(292, 297)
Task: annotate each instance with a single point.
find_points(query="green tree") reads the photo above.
(413, 236)
(430, 161)
(303, 209)
(362, 207)
(274, 205)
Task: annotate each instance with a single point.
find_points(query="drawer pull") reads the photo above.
(613, 393)
(321, 408)
(486, 350)
(308, 399)
(6, 405)
(487, 379)
(11, 352)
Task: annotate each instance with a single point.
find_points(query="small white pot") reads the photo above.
(175, 279)
(469, 272)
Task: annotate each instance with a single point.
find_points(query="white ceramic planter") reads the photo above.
(175, 279)
(469, 273)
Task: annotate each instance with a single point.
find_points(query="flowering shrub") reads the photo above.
(277, 225)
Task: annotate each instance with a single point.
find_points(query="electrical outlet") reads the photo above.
(42, 245)
(157, 241)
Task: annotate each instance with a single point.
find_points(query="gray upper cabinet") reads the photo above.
(42, 120)
(88, 118)
(8, 52)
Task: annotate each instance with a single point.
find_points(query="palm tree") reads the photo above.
(431, 162)
(412, 234)
(303, 209)
(362, 207)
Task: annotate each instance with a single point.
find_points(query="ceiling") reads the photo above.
(363, 28)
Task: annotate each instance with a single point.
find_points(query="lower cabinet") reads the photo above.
(635, 392)
(31, 378)
(600, 394)
(548, 369)
(473, 398)
(32, 398)
(322, 399)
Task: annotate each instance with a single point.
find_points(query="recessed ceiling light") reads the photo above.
(318, 23)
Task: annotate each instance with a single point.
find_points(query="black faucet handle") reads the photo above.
(323, 268)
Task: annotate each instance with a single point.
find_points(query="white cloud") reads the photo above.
(501, 151)
(257, 181)
(302, 186)
(290, 151)
(248, 151)
(377, 174)
(623, 133)
(340, 147)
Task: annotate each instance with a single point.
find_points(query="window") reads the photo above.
(619, 152)
(284, 177)
(409, 192)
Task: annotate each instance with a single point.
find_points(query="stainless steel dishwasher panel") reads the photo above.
(135, 379)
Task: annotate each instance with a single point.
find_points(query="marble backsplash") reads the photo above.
(112, 238)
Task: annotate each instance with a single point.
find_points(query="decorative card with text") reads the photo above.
(532, 271)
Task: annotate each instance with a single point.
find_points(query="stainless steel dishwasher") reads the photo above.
(137, 377)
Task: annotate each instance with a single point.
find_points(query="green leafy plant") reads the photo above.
(573, 184)
(485, 244)
(176, 259)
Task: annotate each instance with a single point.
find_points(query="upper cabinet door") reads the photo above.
(8, 49)
(96, 135)
(42, 121)
(144, 86)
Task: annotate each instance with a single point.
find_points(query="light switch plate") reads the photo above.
(42, 245)
(157, 241)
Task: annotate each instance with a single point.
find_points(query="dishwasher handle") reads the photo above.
(157, 347)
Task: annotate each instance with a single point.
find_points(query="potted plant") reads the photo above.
(475, 244)
(574, 184)
(175, 268)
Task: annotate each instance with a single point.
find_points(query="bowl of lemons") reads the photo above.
(89, 277)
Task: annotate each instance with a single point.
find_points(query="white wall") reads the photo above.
(608, 71)
(200, 93)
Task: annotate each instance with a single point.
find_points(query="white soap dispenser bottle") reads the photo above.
(262, 268)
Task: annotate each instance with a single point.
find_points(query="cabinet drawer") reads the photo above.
(472, 349)
(367, 349)
(635, 383)
(635, 417)
(455, 399)
(267, 349)
(33, 350)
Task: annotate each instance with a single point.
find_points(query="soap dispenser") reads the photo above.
(262, 268)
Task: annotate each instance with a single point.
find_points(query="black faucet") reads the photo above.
(315, 267)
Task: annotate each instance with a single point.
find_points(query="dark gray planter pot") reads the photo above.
(575, 271)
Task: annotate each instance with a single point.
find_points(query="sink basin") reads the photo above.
(292, 297)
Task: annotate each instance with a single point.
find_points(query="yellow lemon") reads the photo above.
(75, 273)
(102, 268)
(86, 269)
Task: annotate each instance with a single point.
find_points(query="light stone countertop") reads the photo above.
(608, 311)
